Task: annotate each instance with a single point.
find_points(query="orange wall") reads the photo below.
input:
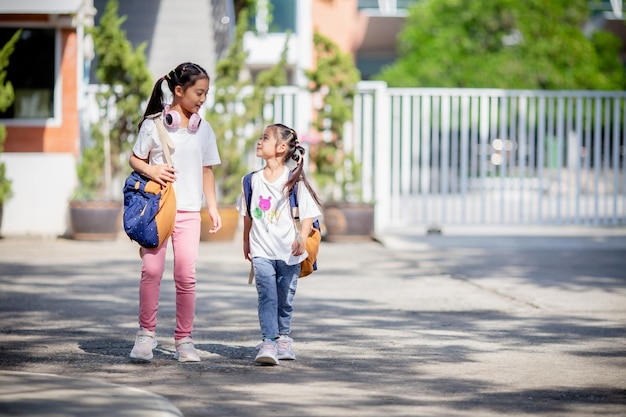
(54, 139)
(337, 20)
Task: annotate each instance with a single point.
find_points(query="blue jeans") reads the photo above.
(276, 284)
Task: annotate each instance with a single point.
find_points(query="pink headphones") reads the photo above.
(171, 119)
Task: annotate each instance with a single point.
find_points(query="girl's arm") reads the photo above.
(247, 225)
(161, 173)
(299, 245)
(208, 186)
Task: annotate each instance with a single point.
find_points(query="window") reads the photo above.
(31, 71)
(283, 17)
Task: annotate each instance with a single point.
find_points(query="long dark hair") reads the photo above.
(184, 75)
(294, 153)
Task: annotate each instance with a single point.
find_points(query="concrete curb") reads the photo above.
(37, 394)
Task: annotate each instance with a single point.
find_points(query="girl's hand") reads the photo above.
(161, 174)
(298, 246)
(216, 219)
(246, 251)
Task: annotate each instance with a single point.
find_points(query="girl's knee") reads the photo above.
(185, 284)
(151, 272)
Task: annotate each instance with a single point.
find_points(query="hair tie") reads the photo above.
(173, 77)
(168, 96)
(300, 153)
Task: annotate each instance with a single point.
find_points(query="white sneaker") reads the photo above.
(144, 343)
(186, 351)
(284, 349)
(267, 353)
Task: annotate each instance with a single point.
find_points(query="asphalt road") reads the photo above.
(452, 325)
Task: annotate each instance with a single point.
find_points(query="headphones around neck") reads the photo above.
(171, 119)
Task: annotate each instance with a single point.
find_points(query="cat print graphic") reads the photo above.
(265, 211)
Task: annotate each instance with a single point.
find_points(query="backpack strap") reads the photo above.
(293, 201)
(164, 137)
(246, 189)
(295, 209)
(295, 213)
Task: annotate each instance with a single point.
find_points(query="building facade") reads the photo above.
(51, 72)
(43, 124)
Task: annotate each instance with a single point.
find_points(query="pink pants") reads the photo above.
(185, 245)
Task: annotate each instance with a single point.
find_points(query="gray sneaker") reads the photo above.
(267, 353)
(144, 343)
(283, 346)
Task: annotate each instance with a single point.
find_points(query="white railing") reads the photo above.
(481, 156)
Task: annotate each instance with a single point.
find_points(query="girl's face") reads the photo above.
(192, 98)
(267, 146)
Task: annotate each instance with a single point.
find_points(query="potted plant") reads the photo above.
(236, 116)
(336, 172)
(5, 183)
(95, 212)
(6, 191)
(7, 95)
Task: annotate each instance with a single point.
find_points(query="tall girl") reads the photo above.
(271, 241)
(194, 154)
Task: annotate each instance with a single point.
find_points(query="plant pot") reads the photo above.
(348, 221)
(95, 220)
(230, 225)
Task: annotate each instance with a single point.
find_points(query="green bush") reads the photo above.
(7, 96)
(125, 72)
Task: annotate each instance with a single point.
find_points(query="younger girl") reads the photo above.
(271, 241)
(194, 154)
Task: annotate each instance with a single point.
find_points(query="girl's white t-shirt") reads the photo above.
(192, 151)
(273, 230)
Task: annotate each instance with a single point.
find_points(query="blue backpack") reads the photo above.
(149, 210)
(295, 215)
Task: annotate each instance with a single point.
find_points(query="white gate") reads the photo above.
(484, 156)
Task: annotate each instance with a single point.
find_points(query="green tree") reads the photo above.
(237, 111)
(124, 71)
(248, 5)
(7, 96)
(529, 44)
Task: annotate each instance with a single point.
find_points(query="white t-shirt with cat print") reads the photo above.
(273, 230)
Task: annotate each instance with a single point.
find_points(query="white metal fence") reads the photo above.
(481, 156)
